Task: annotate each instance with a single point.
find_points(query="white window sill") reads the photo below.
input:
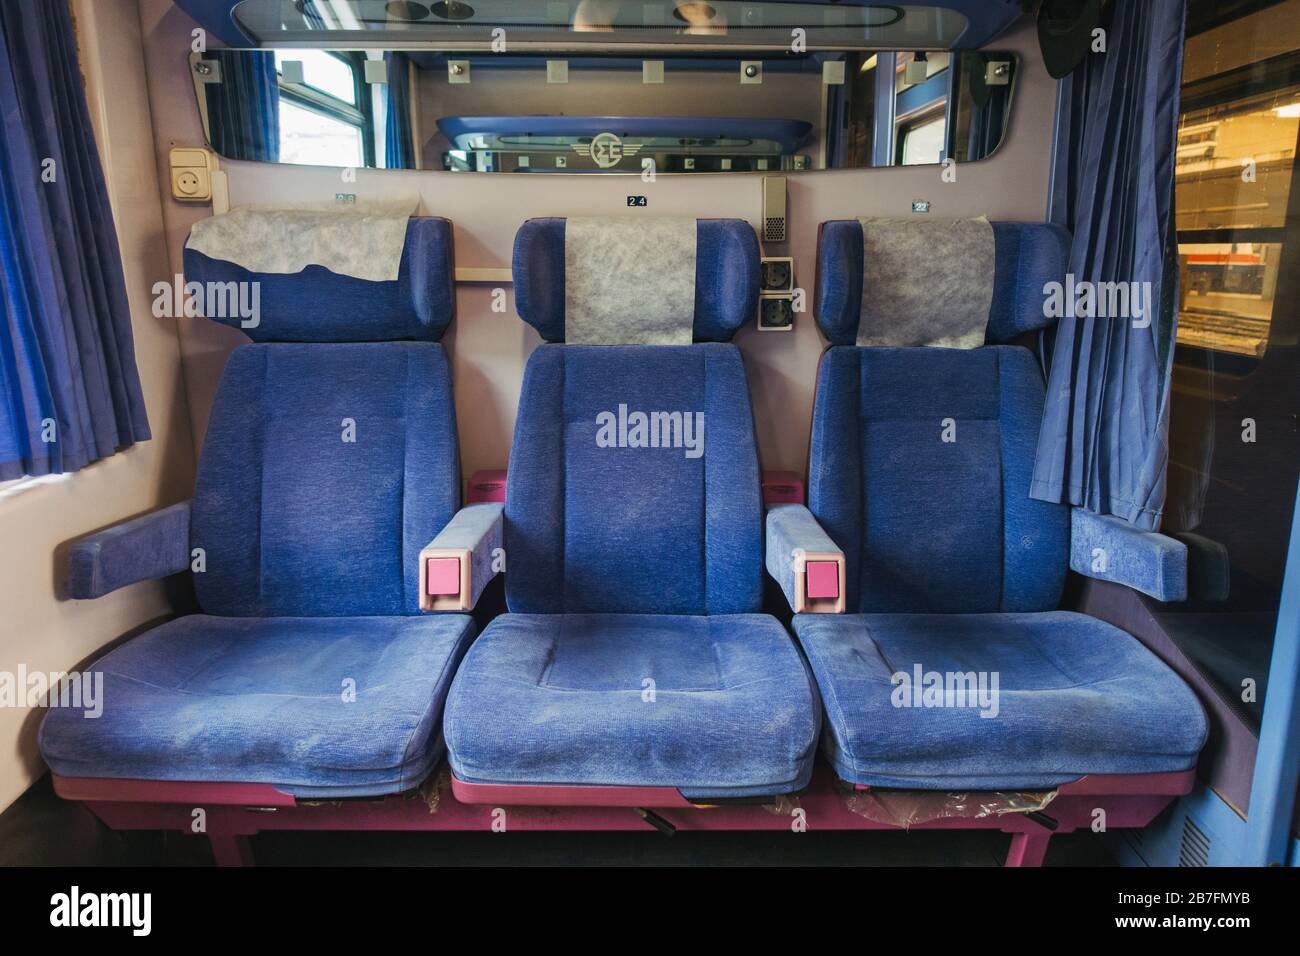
(11, 489)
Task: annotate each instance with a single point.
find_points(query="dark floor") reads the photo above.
(42, 830)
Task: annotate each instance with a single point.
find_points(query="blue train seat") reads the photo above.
(953, 668)
(329, 462)
(633, 654)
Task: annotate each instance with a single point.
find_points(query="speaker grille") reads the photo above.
(774, 229)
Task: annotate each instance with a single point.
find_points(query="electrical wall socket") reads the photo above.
(776, 274)
(191, 173)
(775, 313)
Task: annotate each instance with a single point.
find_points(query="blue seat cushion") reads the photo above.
(264, 700)
(566, 700)
(1075, 696)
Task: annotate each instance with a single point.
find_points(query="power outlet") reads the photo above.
(188, 184)
(777, 274)
(775, 314)
(191, 174)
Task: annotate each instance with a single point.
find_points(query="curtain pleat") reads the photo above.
(244, 108)
(69, 388)
(1104, 438)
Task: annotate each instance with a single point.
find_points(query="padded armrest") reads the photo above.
(151, 546)
(804, 561)
(1110, 549)
(458, 564)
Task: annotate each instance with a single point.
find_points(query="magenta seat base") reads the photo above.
(528, 795)
(1130, 800)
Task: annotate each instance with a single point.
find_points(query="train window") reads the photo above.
(324, 112)
(921, 87)
(323, 72)
(1233, 466)
(921, 142)
(1236, 148)
(313, 138)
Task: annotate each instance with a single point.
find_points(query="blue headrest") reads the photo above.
(317, 305)
(1026, 257)
(726, 277)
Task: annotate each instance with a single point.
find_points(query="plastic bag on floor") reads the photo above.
(908, 808)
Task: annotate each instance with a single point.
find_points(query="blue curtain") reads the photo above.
(244, 108)
(69, 388)
(399, 149)
(1104, 438)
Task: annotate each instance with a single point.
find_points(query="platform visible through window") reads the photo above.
(1236, 149)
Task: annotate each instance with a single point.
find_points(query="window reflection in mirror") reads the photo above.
(416, 109)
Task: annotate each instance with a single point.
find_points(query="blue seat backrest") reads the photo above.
(624, 529)
(295, 518)
(921, 458)
(329, 464)
(595, 524)
(928, 524)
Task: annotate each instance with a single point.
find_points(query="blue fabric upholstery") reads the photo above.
(634, 530)
(1075, 696)
(477, 529)
(1026, 256)
(295, 520)
(726, 277)
(563, 699)
(920, 470)
(317, 305)
(791, 528)
(326, 468)
(151, 546)
(1110, 549)
(925, 524)
(263, 700)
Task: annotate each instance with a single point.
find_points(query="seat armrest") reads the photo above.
(151, 546)
(1110, 549)
(458, 564)
(805, 561)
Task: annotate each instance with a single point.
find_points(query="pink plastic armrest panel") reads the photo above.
(442, 576)
(823, 579)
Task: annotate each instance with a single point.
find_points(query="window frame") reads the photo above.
(323, 104)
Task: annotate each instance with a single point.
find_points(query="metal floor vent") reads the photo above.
(1195, 847)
